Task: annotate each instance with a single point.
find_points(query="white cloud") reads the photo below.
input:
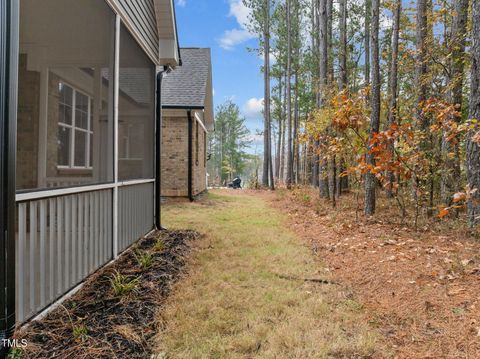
(231, 38)
(182, 3)
(240, 12)
(253, 108)
(234, 37)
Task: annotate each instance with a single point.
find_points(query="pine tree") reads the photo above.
(260, 24)
(473, 138)
(370, 182)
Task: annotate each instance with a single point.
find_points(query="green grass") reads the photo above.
(234, 303)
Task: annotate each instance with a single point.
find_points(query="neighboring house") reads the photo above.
(78, 122)
(187, 119)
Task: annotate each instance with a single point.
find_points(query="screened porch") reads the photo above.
(85, 145)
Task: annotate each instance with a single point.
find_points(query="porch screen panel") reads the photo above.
(65, 117)
(136, 111)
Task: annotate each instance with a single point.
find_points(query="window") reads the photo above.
(74, 128)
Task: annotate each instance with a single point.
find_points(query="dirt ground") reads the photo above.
(420, 287)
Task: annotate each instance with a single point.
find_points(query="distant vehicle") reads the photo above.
(235, 184)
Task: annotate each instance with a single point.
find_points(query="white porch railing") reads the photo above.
(60, 241)
(135, 213)
(64, 235)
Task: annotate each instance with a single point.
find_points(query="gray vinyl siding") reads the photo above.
(141, 14)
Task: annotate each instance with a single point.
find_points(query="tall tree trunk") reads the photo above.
(421, 88)
(296, 65)
(284, 129)
(330, 67)
(279, 138)
(393, 86)
(473, 147)
(367, 43)
(323, 82)
(342, 180)
(449, 178)
(289, 97)
(268, 176)
(370, 182)
(343, 80)
(334, 180)
(315, 46)
(306, 166)
(295, 129)
(421, 61)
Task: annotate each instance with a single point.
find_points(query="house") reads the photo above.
(79, 140)
(187, 118)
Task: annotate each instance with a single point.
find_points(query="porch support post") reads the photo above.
(9, 40)
(115, 135)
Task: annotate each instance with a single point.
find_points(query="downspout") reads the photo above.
(158, 146)
(190, 155)
(9, 40)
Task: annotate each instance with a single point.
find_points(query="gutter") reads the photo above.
(9, 42)
(190, 155)
(158, 145)
(183, 107)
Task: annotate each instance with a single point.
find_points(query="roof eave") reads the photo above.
(169, 50)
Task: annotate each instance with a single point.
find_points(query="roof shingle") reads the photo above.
(186, 86)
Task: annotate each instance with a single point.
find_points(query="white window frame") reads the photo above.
(73, 128)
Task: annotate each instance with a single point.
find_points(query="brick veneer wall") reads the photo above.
(174, 157)
(27, 125)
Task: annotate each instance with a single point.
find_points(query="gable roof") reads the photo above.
(190, 86)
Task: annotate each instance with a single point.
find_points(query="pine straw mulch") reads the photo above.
(96, 323)
(420, 287)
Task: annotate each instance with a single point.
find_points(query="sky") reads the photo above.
(220, 25)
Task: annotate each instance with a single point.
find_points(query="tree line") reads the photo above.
(227, 146)
(376, 97)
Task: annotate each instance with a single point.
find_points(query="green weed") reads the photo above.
(122, 284)
(144, 259)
